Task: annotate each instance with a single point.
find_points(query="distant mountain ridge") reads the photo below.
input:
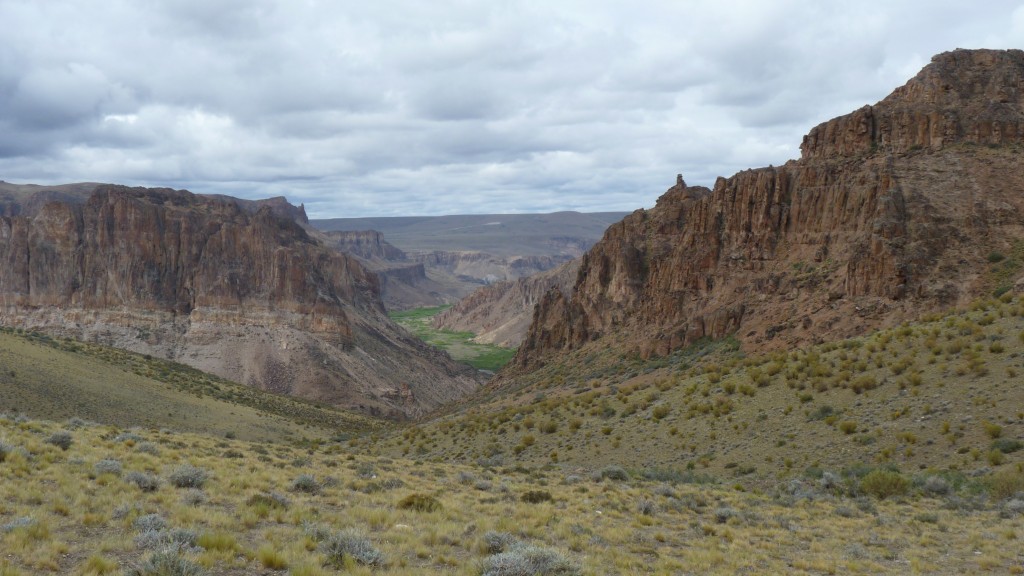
(915, 204)
(461, 253)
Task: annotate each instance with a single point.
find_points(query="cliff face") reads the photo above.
(234, 287)
(889, 213)
(367, 244)
(501, 313)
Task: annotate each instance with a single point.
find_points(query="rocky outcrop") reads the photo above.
(234, 287)
(501, 313)
(367, 244)
(888, 214)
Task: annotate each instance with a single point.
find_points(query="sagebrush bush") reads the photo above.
(188, 476)
(61, 439)
(145, 482)
(884, 483)
(614, 473)
(497, 542)
(1005, 483)
(529, 560)
(193, 497)
(150, 522)
(419, 503)
(351, 543)
(167, 563)
(5, 450)
(305, 483)
(107, 466)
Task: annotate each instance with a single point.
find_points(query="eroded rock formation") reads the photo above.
(889, 213)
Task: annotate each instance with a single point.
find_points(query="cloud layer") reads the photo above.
(452, 106)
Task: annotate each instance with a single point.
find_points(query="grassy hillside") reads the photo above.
(459, 345)
(101, 500)
(57, 379)
(943, 394)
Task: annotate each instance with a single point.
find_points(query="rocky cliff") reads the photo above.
(892, 211)
(501, 313)
(366, 244)
(234, 287)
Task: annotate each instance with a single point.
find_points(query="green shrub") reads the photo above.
(993, 430)
(884, 483)
(536, 496)
(419, 503)
(1005, 483)
(1007, 445)
(848, 427)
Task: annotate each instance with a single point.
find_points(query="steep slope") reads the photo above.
(233, 287)
(892, 211)
(501, 313)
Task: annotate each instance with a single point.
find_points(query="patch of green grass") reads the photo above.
(459, 345)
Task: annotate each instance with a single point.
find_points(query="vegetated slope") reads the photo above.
(942, 394)
(236, 288)
(59, 379)
(501, 313)
(891, 212)
(558, 233)
(134, 501)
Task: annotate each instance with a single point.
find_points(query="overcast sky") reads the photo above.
(408, 107)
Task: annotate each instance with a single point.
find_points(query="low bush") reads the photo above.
(167, 563)
(419, 503)
(614, 473)
(536, 496)
(61, 439)
(351, 544)
(107, 466)
(529, 560)
(884, 483)
(145, 482)
(305, 483)
(188, 476)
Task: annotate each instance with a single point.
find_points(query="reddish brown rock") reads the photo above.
(889, 214)
(234, 287)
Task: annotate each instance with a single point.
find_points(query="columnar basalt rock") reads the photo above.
(888, 214)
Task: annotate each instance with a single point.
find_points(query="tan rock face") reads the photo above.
(501, 313)
(234, 287)
(889, 214)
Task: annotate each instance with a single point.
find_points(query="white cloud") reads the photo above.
(451, 106)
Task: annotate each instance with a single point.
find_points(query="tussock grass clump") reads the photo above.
(271, 558)
(529, 560)
(272, 500)
(884, 484)
(352, 544)
(419, 503)
(5, 450)
(167, 563)
(61, 439)
(188, 476)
